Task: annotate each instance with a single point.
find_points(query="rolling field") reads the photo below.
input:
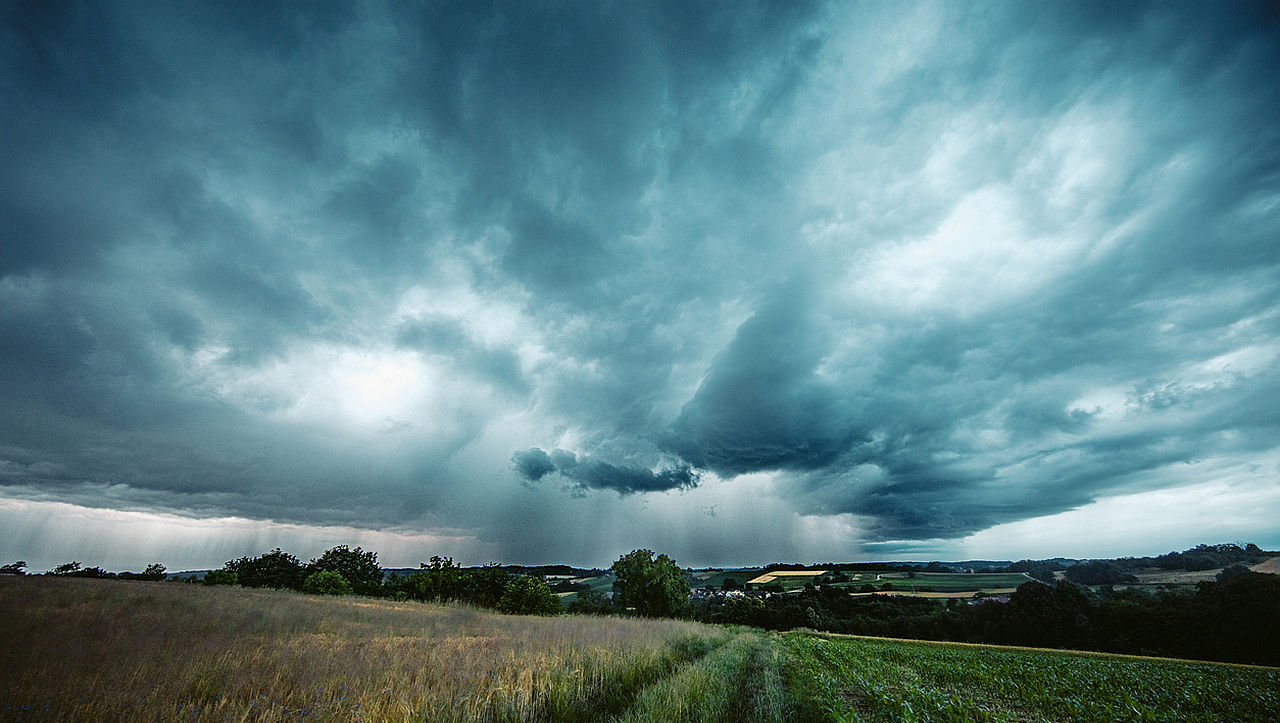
(957, 582)
(79, 649)
(874, 679)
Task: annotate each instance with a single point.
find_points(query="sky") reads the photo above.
(549, 282)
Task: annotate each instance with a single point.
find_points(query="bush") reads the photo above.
(1231, 572)
(357, 567)
(527, 595)
(221, 577)
(591, 602)
(327, 582)
(277, 569)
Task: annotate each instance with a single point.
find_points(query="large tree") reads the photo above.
(356, 566)
(655, 587)
(437, 581)
(276, 569)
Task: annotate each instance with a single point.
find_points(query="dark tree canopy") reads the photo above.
(655, 587)
(437, 581)
(1098, 573)
(277, 569)
(357, 567)
(485, 587)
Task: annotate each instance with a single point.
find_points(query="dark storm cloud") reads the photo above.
(891, 435)
(931, 267)
(762, 406)
(589, 473)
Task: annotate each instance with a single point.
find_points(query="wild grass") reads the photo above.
(79, 649)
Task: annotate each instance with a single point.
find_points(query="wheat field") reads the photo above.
(83, 649)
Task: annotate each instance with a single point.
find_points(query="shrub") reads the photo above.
(357, 567)
(276, 569)
(527, 595)
(221, 577)
(327, 582)
(591, 602)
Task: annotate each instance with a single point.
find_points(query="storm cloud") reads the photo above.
(856, 277)
(586, 473)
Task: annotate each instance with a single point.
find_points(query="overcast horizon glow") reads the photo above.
(736, 282)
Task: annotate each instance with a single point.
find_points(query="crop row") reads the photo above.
(857, 679)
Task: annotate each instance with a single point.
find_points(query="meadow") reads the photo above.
(85, 649)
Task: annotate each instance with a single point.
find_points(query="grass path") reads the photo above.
(742, 680)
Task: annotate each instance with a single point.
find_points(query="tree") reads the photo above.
(277, 569)
(439, 581)
(655, 587)
(327, 582)
(357, 567)
(66, 568)
(1098, 573)
(528, 595)
(485, 586)
(14, 568)
(73, 569)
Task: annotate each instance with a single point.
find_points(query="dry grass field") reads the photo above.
(1270, 565)
(82, 649)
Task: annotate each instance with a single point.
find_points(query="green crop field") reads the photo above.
(894, 680)
(602, 584)
(80, 650)
(716, 578)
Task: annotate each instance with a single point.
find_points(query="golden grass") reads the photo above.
(775, 574)
(1270, 565)
(83, 649)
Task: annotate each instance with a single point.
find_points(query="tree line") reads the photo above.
(345, 571)
(75, 569)
(1231, 618)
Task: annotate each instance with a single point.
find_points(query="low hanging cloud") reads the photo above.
(588, 473)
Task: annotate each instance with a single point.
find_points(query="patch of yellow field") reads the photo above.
(1271, 566)
(775, 574)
